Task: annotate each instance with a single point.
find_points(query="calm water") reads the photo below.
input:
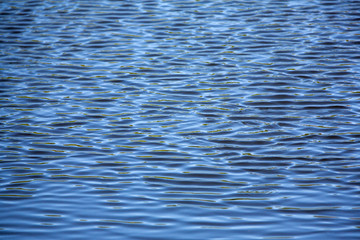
(180, 119)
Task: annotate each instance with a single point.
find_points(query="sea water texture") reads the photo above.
(180, 119)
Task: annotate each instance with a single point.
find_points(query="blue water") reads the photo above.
(184, 120)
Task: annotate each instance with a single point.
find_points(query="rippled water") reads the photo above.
(191, 119)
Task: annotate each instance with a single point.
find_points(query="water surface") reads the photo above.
(189, 119)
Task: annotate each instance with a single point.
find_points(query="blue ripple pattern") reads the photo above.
(180, 119)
